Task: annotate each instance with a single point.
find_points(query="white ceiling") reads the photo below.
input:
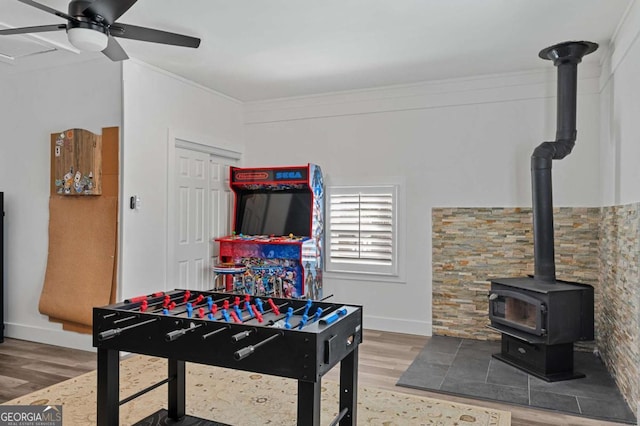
(264, 49)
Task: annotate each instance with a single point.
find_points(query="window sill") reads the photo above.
(362, 276)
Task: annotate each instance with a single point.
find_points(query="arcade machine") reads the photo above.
(278, 229)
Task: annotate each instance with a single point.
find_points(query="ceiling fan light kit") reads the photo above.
(91, 27)
(87, 40)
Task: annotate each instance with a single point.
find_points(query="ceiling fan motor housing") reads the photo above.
(91, 26)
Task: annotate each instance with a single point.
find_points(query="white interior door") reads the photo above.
(192, 215)
(203, 208)
(221, 202)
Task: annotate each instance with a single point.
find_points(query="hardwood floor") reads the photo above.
(27, 366)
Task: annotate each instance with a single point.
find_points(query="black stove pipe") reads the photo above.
(566, 57)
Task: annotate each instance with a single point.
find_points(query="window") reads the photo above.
(362, 229)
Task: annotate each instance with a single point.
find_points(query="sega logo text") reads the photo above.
(288, 175)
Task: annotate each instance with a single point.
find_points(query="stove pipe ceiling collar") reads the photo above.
(566, 57)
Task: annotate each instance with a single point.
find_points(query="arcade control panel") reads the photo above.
(265, 239)
(295, 338)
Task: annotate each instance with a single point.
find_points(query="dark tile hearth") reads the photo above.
(466, 368)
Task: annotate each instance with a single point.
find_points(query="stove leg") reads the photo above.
(309, 403)
(108, 409)
(176, 396)
(349, 388)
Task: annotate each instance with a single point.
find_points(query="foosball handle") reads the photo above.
(109, 334)
(248, 350)
(334, 317)
(176, 334)
(243, 352)
(242, 335)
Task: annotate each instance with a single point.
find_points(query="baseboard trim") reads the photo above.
(397, 325)
(56, 337)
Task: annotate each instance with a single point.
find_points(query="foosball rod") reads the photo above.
(273, 321)
(141, 298)
(178, 312)
(339, 417)
(176, 334)
(302, 323)
(249, 318)
(306, 320)
(172, 300)
(248, 350)
(109, 334)
(134, 305)
(214, 332)
(152, 304)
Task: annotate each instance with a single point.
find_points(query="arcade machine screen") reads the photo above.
(274, 213)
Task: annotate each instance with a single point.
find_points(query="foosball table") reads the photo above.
(293, 338)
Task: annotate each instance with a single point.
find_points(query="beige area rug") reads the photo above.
(245, 399)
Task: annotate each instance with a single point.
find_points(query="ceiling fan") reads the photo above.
(92, 27)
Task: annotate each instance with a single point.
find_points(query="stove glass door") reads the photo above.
(517, 310)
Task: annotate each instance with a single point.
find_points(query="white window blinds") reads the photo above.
(362, 229)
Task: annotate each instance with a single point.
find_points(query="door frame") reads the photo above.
(180, 140)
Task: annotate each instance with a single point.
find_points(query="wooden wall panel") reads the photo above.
(83, 233)
(76, 163)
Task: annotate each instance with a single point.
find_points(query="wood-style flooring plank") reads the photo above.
(383, 357)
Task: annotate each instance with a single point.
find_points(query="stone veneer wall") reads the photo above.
(618, 323)
(473, 245)
(597, 246)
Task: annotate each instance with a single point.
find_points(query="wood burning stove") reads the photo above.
(539, 322)
(539, 316)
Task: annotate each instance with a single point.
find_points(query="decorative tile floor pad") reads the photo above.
(465, 367)
(245, 399)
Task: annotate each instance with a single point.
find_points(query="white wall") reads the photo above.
(620, 104)
(158, 107)
(33, 105)
(456, 143)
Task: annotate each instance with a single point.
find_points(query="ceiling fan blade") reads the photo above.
(49, 10)
(151, 35)
(109, 10)
(38, 29)
(114, 51)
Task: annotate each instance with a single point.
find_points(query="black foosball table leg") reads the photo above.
(309, 403)
(176, 395)
(108, 408)
(349, 388)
